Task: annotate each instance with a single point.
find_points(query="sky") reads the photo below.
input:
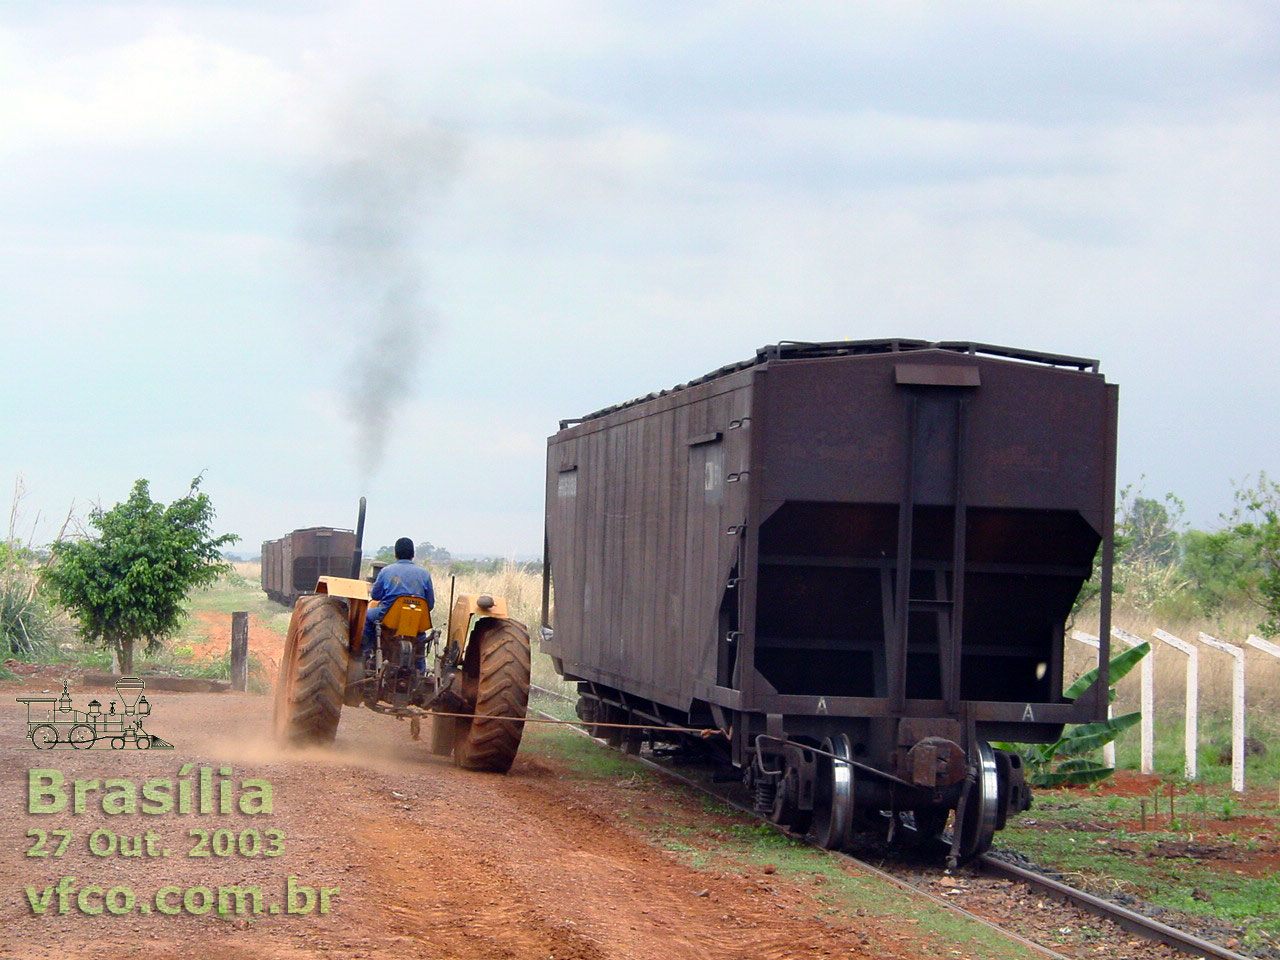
(318, 250)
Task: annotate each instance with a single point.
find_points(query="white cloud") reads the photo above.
(165, 86)
(643, 192)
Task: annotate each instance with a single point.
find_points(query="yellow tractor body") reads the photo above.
(476, 691)
(410, 616)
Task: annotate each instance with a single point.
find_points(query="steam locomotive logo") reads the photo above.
(53, 722)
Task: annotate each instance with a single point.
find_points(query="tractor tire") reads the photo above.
(499, 667)
(313, 672)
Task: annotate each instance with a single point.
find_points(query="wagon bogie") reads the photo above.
(872, 542)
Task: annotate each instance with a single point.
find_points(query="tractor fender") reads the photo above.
(344, 587)
(468, 609)
(356, 594)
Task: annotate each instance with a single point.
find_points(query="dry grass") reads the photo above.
(1262, 672)
(251, 570)
(522, 589)
(1262, 691)
(517, 584)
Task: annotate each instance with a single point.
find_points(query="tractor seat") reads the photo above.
(408, 617)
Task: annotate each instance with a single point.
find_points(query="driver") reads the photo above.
(404, 578)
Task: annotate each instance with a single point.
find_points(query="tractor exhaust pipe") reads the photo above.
(357, 555)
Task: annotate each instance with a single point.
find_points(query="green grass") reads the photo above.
(543, 673)
(1097, 839)
(74, 653)
(27, 622)
(1215, 740)
(584, 758)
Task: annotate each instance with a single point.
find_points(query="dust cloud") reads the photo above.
(367, 207)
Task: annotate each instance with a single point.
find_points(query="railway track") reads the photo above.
(987, 865)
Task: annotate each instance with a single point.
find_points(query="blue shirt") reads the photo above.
(404, 578)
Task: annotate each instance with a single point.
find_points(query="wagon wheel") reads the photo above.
(613, 736)
(833, 794)
(313, 672)
(977, 821)
(786, 810)
(82, 736)
(117, 743)
(497, 668)
(44, 736)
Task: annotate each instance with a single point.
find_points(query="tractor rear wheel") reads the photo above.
(498, 664)
(313, 672)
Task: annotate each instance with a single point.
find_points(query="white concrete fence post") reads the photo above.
(1191, 725)
(1148, 722)
(1108, 749)
(1266, 646)
(1237, 707)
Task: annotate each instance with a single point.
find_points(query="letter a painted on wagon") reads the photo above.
(1028, 716)
(822, 704)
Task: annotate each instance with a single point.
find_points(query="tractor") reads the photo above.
(477, 670)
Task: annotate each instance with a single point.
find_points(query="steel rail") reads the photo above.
(1127, 919)
(550, 693)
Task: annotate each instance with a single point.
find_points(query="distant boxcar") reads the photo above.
(855, 558)
(291, 565)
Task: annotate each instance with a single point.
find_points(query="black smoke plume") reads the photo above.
(367, 210)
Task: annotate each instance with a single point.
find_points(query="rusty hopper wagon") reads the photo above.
(854, 558)
(292, 565)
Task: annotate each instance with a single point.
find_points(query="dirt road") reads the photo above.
(428, 860)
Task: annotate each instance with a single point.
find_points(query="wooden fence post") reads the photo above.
(240, 651)
(1191, 726)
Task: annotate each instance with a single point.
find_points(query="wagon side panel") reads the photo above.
(638, 511)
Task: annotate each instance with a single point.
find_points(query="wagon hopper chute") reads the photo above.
(857, 558)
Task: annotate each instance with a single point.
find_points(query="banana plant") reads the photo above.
(1067, 760)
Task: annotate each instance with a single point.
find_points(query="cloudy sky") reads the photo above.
(316, 250)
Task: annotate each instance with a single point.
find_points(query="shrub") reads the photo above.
(27, 627)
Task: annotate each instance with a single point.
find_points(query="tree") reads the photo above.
(129, 583)
(1147, 565)
(427, 552)
(1149, 527)
(1256, 522)
(1218, 566)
